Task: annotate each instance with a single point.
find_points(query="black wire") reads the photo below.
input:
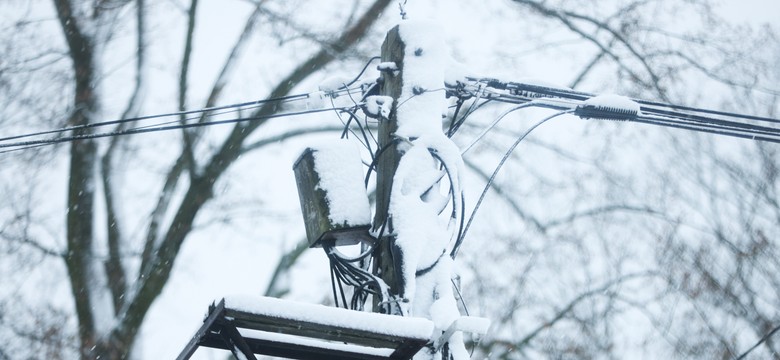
(763, 339)
(458, 105)
(468, 113)
(362, 130)
(691, 120)
(455, 248)
(333, 285)
(460, 296)
(343, 296)
(337, 279)
(459, 232)
(673, 119)
(378, 155)
(705, 128)
(147, 117)
(155, 129)
(451, 192)
(360, 256)
(706, 111)
(577, 95)
(184, 121)
(23, 148)
(494, 124)
(363, 71)
(706, 120)
(362, 282)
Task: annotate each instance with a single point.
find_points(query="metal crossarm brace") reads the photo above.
(295, 338)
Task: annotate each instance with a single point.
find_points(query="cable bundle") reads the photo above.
(354, 272)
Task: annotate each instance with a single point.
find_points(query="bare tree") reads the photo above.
(110, 299)
(587, 229)
(580, 253)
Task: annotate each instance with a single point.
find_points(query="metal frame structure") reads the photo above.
(221, 330)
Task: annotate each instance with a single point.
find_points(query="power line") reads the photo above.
(651, 112)
(520, 88)
(462, 236)
(238, 106)
(345, 88)
(35, 143)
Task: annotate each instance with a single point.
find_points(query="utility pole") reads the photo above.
(386, 165)
(416, 162)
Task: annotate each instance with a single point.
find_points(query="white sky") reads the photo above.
(169, 310)
(171, 322)
(758, 11)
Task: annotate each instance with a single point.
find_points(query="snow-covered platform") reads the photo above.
(260, 325)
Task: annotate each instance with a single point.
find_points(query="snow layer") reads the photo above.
(542, 82)
(613, 101)
(379, 105)
(315, 100)
(387, 66)
(411, 327)
(421, 102)
(420, 192)
(292, 339)
(439, 304)
(455, 72)
(473, 324)
(334, 83)
(339, 167)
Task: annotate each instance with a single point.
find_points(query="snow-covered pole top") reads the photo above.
(417, 50)
(422, 95)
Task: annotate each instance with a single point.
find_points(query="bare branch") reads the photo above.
(201, 187)
(187, 150)
(289, 134)
(509, 200)
(562, 313)
(115, 271)
(276, 287)
(82, 165)
(601, 210)
(589, 67)
(565, 18)
(160, 209)
(26, 240)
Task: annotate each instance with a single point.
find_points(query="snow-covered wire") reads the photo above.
(459, 242)
(651, 112)
(414, 95)
(458, 212)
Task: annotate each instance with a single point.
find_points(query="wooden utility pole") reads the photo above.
(387, 163)
(414, 153)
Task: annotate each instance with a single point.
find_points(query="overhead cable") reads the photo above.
(208, 110)
(26, 144)
(650, 112)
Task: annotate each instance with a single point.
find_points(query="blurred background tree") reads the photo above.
(598, 240)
